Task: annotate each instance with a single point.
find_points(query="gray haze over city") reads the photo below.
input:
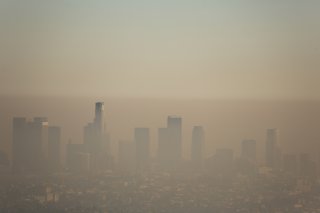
(159, 106)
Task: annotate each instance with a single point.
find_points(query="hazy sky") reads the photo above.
(149, 48)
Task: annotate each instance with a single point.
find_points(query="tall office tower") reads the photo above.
(248, 150)
(54, 143)
(271, 147)
(94, 134)
(174, 126)
(39, 131)
(290, 164)
(30, 144)
(126, 156)
(142, 146)
(99, 117)
(197, 146)
(96, 140)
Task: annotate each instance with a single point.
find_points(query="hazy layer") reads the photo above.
(226, 122)
(168, 49)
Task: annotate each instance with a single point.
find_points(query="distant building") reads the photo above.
(30, 144)
(197, 146)
(94, 132)
(97, 141)
(170, 143)
(142, 147)
(174, 125)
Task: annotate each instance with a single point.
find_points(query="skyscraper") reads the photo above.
(174, 125)
(170, 143)
(30, 144)
(197, 146)
(94, 132)
(271, 147)
(99, 117)
(142, 143)
(96, 141)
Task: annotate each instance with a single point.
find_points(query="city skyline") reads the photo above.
(159, 106)
(35, 141)
(223, 117)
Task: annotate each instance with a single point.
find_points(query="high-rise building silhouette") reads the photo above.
(94, 132)
(142, 147)
(99, 117)
(30, 144)
(96, 140)
(170, 143)
(197, 146)
(174, 125)
(249, 150)
(54, 148)
(271, 147)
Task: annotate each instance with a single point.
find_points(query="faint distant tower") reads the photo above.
(197, 146)
(249, 150)
(170, 143)
(30, 144)
(94, 132)
(54, 146)
(271, 147)
(174, 125)
(99, 117)
(97, 141)
(142, 146)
